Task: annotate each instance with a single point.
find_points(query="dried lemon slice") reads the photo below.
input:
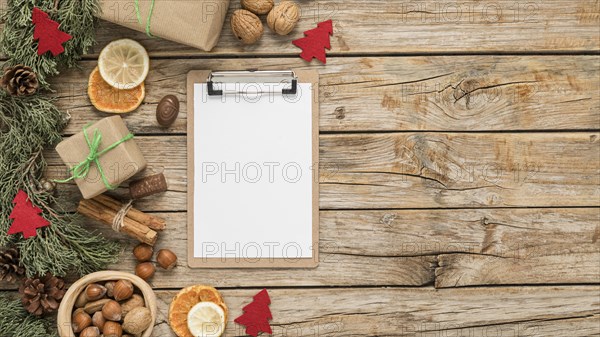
(206, 319)
(124, 64)
(108, 99)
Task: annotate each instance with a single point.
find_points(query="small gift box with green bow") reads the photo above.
(101, 157)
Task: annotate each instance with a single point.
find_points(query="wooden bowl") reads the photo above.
(68, 302)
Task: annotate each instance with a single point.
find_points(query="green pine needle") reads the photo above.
(76, 17)
(16, 322)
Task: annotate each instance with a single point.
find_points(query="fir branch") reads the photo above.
(16, 322)
(27, 125)
(76, 17)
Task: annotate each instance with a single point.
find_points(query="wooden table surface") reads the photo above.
(460, 181)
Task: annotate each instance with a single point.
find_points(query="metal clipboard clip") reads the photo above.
(286, 78)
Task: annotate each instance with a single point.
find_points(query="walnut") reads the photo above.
(246, 26)
(258, 7)
(283, 18)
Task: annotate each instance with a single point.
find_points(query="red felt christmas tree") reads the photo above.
(26, 217)
(47, 32)
(257, 315)
(315, 42)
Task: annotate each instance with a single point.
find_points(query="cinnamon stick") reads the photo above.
(155, 223)
(95, 210)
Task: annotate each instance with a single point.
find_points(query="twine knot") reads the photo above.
(120, 217)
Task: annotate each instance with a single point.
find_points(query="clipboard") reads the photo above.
(219, 118)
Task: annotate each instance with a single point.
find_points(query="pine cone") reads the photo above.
(42, 295)
(10, 269)
(20, 80)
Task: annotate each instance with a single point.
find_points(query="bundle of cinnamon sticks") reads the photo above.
(135, 223)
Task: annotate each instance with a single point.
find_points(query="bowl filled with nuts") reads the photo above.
(109, 304)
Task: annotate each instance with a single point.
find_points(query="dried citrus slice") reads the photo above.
(124, 64)
(186, 300)
(108, 99)
(206, 319)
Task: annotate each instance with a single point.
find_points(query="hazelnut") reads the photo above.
(134, 302)
(81, 300)
(80, 320)
(143, 252)
(137, 320)
(246, 26)
(95, 306)
(112, 329)
(98, 320)
(91, 331)
(95, 292)
(166, 259)
(112, 311)
(283, 18)
(145, 270)
(258, 6)
(110, 286)
(123, 290)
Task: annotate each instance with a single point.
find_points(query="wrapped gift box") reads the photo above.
(195, 23)
(118, 164)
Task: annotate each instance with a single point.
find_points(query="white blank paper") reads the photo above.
(253, 175)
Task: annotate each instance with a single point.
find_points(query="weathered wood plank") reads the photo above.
(402, 247)
(363, 26)
(526, 311)
(422, 170)
(462, 93)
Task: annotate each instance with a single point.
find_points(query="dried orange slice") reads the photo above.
(187, 299)
(107, 98)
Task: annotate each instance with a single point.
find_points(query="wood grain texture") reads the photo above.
(526, 311)
(417, 170)
(412, 248)
(418, 26)
(463, 93)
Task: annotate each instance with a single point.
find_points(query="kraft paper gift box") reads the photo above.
(195, 23)
(118, 164)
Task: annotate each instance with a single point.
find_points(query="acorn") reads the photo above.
(123, 290)
(166, 259)
(145, 270)
(143, 252)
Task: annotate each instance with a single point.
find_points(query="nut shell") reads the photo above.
(123, 290)
(95, 292)
(134, 302)
(246, 26)
(112, 311)
(143, 252)
(284, 17)
(90, 331)
(166, 259)
(137, 320)
(145, 270)
(112, 329)
(258, 7)
(98, 320)
(93, 307)
(80, 320)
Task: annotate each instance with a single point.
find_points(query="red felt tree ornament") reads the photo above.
(257, 315)
(47, 32)
(26, 217)
(315, 41)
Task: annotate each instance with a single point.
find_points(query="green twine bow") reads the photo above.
(82, 169)
(148, 19)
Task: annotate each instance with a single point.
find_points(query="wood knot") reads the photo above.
(340, 112)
